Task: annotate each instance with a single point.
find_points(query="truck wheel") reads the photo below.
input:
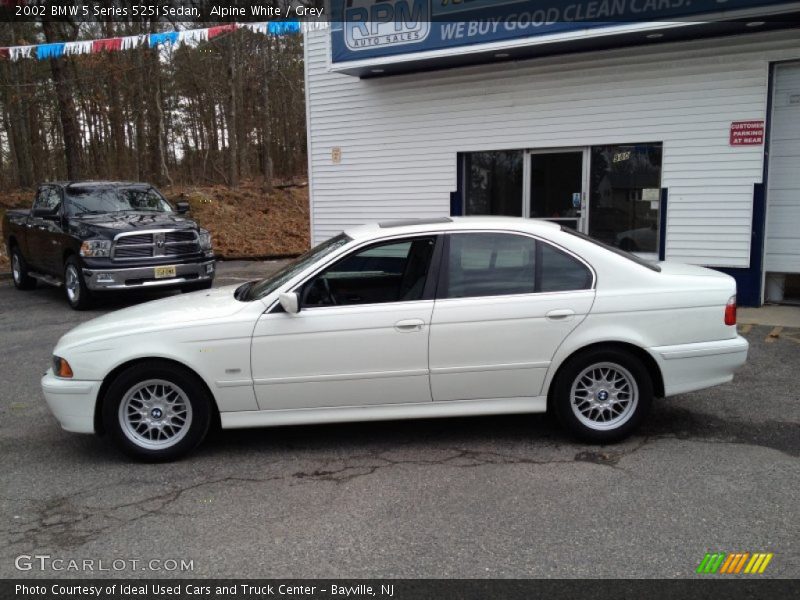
(19, 271)
(78, 294)
(157, 411)
(196, 287)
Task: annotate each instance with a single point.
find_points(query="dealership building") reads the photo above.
(669, 128)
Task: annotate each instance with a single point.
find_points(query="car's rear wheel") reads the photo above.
(19, 271)
(77, 293)
(155, 411)
(602, 395)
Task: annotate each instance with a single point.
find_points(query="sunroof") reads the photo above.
(406, 222)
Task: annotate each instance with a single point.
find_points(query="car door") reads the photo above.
(505, 303)
(43, 227)
(360, 337)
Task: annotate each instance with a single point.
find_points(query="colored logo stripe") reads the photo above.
(734, 563)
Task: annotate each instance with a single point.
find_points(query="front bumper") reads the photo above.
(691, 367)
(72, 402)
(144, 277)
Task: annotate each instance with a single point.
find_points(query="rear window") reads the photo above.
(631, 257)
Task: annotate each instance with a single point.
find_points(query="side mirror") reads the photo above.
(46, 213)
(290, 302)
(181, 207)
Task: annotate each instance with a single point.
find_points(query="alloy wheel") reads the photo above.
(155, 414)
(16, 268)
(604, 396)
(72, 283)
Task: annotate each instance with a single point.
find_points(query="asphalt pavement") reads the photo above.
(716, 470)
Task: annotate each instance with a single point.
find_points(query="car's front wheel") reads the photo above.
(602, 395)
(156, 412)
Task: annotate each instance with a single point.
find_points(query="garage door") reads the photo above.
(783, 190)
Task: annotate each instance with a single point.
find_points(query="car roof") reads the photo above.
(412, 226)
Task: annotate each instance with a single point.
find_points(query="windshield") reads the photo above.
(89, 200)
(632, 257)
(260, 289)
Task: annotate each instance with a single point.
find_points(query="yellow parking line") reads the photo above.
(746, 328)
(773, 335)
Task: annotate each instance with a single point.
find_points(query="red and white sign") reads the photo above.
(747, 133)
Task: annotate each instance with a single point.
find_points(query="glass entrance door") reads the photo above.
(556, 188)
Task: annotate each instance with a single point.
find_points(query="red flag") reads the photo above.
(107, 44)
(219, 29)
(4, 53)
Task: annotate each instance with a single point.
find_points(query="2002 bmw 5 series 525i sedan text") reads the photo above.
(406, 319)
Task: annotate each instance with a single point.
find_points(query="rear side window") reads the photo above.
(490, 264)
(560, 272)
(503, 264)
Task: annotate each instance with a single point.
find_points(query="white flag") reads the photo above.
(73, 48)
(18, 52)
(193, 36)
(129, 42)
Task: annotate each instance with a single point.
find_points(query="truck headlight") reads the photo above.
(204, 238)
(96, 248)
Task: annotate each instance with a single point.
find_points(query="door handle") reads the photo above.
(409, 325)
(560, 314)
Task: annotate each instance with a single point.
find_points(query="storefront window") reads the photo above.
(624, 196)
(493, 183)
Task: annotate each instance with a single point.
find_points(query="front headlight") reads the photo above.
(96, 248)
(61, 367)
(205, 240)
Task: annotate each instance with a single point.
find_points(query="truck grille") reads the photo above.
(150, 244)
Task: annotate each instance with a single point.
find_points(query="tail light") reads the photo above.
(730, 311)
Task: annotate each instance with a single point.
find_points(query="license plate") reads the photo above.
(164, 272)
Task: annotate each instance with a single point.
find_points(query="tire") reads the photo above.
(585, 390)
(196, 287)
(78, 295)
(19, 271)
(156, 411)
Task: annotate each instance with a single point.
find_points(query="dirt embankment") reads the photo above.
(245, 222)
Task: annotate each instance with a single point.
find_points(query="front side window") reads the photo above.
(48, 199)
(393, 271)
(502, 264)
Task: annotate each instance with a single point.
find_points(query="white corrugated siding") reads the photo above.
(783, 196)
(399, 135)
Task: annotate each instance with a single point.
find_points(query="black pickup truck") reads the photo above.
(94, 236)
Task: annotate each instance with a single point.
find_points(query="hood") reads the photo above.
(110, 224)
(159, 315)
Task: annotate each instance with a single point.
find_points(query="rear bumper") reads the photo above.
(690, 367)
(144, 277)
(72, 402)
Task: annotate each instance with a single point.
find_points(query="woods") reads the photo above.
(218, 111)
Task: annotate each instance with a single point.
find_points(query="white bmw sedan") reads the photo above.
(406, 319)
